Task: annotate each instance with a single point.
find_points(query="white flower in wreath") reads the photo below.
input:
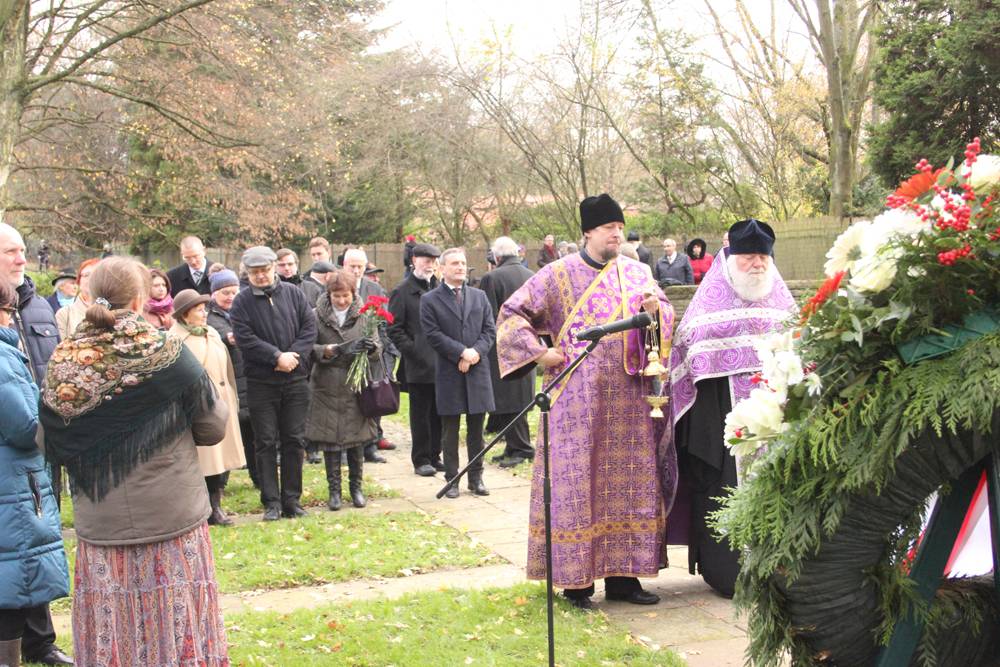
(938, 204)
(814, 384)
(901, 222)
(761, 414)
(984, 174)
(846, 249)
(873, 273)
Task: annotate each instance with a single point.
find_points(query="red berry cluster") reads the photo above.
(924, 166)
(949, 257)
(961, 213)
(972, 151)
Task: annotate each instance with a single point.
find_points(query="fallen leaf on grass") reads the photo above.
(307, 638)
(229, 556)
(520, 601)
(334, 625)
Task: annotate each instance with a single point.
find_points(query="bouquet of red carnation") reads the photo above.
(373, 314)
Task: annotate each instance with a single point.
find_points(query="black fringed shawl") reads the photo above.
(114, 398)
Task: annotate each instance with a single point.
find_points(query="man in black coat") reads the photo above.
(275, 329)
(511, 395)
(645, 255)
(193, 273)
(36, 325)
(418, 360)
(674, 268)
(459, 326)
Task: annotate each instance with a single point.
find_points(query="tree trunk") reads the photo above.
(13, 40)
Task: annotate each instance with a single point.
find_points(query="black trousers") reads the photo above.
(425, 425)
(615, 586)
(518, 438)
(33, 625)
(216, 482)
(246, 433)
(473, 442)
(279, 412)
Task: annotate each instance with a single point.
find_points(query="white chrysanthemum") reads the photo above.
(846, 249)
(814, 384)
(901, 222)
(984, 173)
(873, 273)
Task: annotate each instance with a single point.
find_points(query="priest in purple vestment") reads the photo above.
(741, 300)
(608, 503)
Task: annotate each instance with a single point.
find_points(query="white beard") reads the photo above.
(751, 286)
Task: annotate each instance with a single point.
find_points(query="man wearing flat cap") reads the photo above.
(608, 508)
(275, 329)
(740, 301)
(313, 285)
(418, 361)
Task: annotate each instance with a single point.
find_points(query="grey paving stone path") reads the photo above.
(691, 619)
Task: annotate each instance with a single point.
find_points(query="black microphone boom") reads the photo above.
(635, 322)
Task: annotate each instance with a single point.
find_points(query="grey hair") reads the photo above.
(451, 251)
(355, 253)
(505, 246)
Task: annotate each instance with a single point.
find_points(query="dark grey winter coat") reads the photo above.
(418, 360)
(449, 331)
(509, 395)
(334, 415)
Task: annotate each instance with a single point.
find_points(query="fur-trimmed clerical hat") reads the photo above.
(599, 210)
(751, 237)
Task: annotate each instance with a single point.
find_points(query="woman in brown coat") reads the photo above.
(335, 421)
(191, 326)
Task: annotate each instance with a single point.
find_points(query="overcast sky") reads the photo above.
(537, 25)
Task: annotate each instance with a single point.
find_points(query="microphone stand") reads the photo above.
(543, 400)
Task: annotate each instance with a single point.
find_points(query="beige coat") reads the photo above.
(68, 318)
(212, 353)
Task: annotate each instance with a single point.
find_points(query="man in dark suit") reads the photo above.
(193, 273)
(674, 268)
(510, 395)
(418, 360)
(645, 256)
(459, 326)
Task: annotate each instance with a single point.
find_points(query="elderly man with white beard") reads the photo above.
(740, 301)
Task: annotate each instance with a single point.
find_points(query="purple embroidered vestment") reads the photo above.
(608, 510)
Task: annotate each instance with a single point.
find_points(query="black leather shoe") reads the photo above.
(426, 470)
(513, 461)
(374, 458)
(438, 465)
(293, 512)
(334, 503)
(636, 597)
(313, 457)
(358, 498)
(452, 492)
(53, 656)
(585, 604)
(272, 514)
(479, 488)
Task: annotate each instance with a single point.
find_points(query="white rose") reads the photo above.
(846, 249)
(873, 273)
(761, 414)
(984, 173)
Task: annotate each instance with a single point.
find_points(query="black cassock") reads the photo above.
(706, 470)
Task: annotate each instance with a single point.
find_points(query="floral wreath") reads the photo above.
(898, 348)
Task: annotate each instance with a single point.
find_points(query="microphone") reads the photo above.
(635, 322)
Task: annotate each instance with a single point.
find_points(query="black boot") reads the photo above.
(10, 653)
(332, 461)
(355, 463)
(217, 517)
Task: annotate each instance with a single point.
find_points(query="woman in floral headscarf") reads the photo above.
(123, 406)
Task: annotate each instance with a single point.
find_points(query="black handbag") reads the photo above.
(379, 397)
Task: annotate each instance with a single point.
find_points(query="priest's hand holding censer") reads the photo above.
(654, 369)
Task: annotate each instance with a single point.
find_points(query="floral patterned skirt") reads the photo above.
(148, 604)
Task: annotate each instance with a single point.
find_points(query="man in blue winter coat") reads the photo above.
(38, 336)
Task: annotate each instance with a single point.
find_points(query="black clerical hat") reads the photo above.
(750, 237)
(599, 210)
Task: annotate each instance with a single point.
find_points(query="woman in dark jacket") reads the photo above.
(225, 287)
(335, 421)
(123, 408)
(33, 568)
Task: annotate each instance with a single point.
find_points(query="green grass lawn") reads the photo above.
(327, 547)
(330, 547)
(501, 627)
